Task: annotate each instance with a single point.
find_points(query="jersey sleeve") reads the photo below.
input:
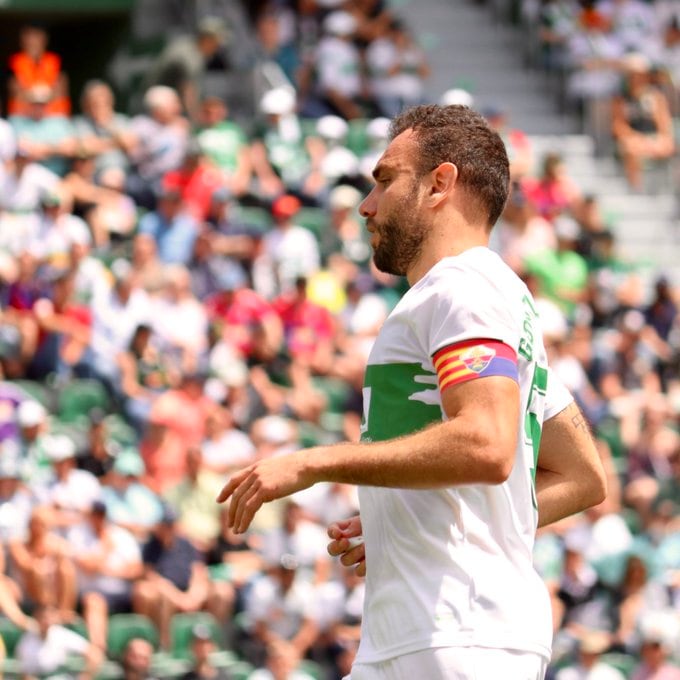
(557, 396)
(471, 333)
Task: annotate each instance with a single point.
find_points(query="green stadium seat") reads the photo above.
(119, 431)
(10, 634)
(624, 663)
(163, 665)
(125, 627)
(38, 391)
(314, 219)
(78, 397)
(240, 670)
(335, 390)
(254, 216)
(180, 632)
(357, 139)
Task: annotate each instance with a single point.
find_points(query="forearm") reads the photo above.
(446, 454)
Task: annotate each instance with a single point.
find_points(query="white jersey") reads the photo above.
(453, 566)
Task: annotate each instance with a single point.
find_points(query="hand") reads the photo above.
(264, 481)
(341, 532)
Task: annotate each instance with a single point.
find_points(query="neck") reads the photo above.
(443, 244)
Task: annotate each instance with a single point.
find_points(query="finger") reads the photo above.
(231, 485)
(361, 568)
(249, 507)
(334, 531)
(353, 556)
(235, 502)
(337, 547)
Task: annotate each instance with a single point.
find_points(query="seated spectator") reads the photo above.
(398, 67)
(147, 266)
(633, 22)
(160, 138)
(115, 317)
(196, 179)
(247, 322)
(225, 143)
(175, 578)
(179, 321)
(66, 330)
(44, 652)
(225, 448)
(346, 233)
(17, 500)
(92, 281)
(35, 66)
(517, 143)
(337, 78)
(332, 160)
(102, 132)
(279, 151)
(70, 492)
(193, 499)
(144, 375)
(48, 140)
(109, 562)
(642, 123)
(553, 191)
(172, 226)
(43, 567)
(591, 645)
(659, 635)
(280, 663)
(288, 251)
(202, 647)
(187, 59)
(280, 609)
(99, 451)
(129, 503)
(562, 273)
(32, 421)
(136, 660)
(106, 210)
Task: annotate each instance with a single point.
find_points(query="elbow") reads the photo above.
(597, 487)
(499, 460)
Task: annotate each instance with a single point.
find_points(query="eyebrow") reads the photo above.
(381, 170)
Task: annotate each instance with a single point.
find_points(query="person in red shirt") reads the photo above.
(34, 66)
(196, 180)
(65, 329)
(309, 328)
(248, 322)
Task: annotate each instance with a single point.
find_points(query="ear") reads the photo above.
(442, 183)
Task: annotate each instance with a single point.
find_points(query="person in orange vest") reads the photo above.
(33, 65)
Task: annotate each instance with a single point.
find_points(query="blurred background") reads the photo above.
(186, 287)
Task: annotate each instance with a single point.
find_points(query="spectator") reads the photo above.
(225, 448)
(591, 645)
(173, 228)
(49, 140)
(280, 663)
(160, 138)
(34, 66)
(44, 568)
(196, 180)
(641, 120)
(102, 131)
(136, 661)
(187, 59)
(16, 498)
(280, 609)
(659, 636)
(175, 578)
(70, 492)
(109, 562)
(288, 251)
(193, 499)
(44, 652)
(203, 645)
(225, 143)
(553, 192)
(99, 452)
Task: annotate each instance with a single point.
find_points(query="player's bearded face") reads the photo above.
(401, 234)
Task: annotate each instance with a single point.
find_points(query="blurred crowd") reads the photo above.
(183, 293)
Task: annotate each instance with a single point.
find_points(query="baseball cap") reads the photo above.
(566, 228)
(286, 206)
(457, 96)
(10, 466)
(378, 128)
(332, 127)
(213, 26)
(129, 463)
(59, 447)
(594, 641)
(98, 507)
(278, 101)
(168, 515)
(30, 413)
(344, 196)
(340, 23)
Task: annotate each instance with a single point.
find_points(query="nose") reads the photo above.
(368, 206)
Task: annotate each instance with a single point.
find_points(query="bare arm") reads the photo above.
(570, 476)
(476, 445)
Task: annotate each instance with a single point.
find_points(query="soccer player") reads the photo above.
(456, 392)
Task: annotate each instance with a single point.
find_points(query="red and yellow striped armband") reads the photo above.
(472, 359)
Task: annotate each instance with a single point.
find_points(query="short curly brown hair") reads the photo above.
(459, 135)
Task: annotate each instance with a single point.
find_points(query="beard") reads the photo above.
(401, 238)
